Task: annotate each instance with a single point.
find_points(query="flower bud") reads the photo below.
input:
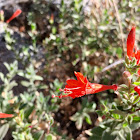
(103, 117)
(126, 74)
(53, 96)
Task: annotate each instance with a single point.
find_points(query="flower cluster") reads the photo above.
(81, 86)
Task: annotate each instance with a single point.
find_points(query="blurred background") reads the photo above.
(50, 40)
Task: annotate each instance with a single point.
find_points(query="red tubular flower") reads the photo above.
(130, 47)
(137, 89)
(81, 87)
(18, 12)
(3, 115)
(131, 42)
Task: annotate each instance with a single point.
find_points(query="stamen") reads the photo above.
(61, 89)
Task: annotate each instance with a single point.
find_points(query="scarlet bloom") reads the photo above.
(81, 87)
(130, 46)
(3, 115)
(18, 12)
(137, 89)
(131, 42)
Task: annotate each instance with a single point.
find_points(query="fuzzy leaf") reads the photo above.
(3, 131)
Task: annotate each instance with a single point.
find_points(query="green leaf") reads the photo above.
(22, 114)
(22, 106)
(1, 89)
(29, 111)
(11, 85)
(116, 116)
(127, 133)
(97, 133)
(3, 131)
(79, 123)
(125, 124)
(37, 77)
(135, 126)
(107, 135)
(136, 119)
(120, 136)
(129, 119)
(7, 66)
(136, 83)
(42, 86)
(88, 119)
(119, 112)
(33, 26)
(137, 98)
(99, 112)
(38, 135)
(2, 76)
(49, 137)
(25, 83)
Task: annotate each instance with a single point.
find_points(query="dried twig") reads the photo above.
(113, 65)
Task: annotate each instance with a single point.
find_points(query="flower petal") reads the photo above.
(137, 56)
(73, 83)
(80, 77)
(137, 89)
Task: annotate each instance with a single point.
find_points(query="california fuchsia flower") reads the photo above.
(137, 89)
(81, 87)
(3, 115)
(130, 46)
(18, 12)
(131, 42)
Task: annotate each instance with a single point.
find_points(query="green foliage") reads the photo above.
(29, 106)
(111, 130)
(119, 117)
(80, 39)
(83, 114)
